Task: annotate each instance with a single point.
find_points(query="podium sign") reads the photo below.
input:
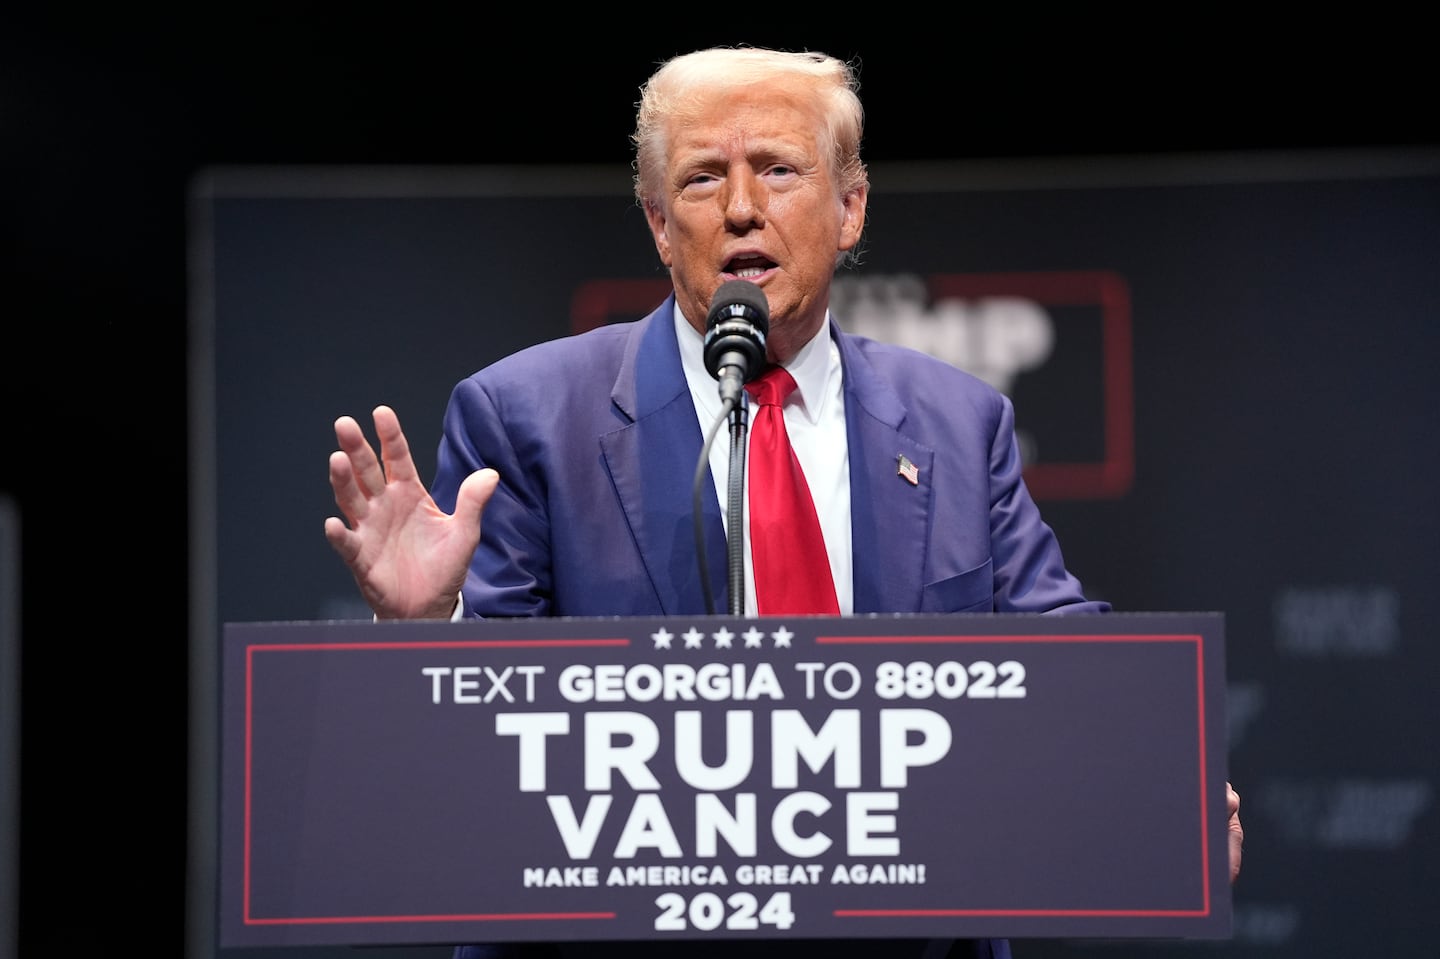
(713, 777)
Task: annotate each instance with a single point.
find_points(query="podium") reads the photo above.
(969, 775)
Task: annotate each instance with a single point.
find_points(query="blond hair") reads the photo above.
(681, 82)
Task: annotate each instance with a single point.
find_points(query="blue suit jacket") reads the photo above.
(596, 441)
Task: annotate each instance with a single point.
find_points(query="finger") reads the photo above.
(474, 494)
(342, 539)
(1236, 831)
(394, 448)
(364, 465)
(348, 495)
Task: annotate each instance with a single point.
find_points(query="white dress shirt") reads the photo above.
(815, 420)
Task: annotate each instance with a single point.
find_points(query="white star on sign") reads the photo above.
(662, 638)
(753, 638)
(693, 638)
(722, 638)
(782, 637)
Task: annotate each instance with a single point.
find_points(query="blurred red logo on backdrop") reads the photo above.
(1057, 343)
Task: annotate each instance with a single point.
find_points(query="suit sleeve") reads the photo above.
(1029, 570)
(511, 572)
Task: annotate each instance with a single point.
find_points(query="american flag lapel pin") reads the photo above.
(907, 469)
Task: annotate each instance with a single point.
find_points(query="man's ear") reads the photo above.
(853, 211)
(656, 218)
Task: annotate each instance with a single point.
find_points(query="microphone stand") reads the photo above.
(736, 504)
(735, 330)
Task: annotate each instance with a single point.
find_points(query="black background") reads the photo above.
(107, 117)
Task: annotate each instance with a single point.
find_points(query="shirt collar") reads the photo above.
(812, 368)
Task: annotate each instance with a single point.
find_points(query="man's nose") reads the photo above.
(744, 202)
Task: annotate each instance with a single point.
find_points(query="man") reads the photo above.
(579, 452)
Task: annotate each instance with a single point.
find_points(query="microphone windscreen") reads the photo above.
(739, 298)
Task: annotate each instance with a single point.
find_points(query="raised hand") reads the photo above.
(407, 555)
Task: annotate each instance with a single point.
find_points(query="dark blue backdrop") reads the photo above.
(1254, 341)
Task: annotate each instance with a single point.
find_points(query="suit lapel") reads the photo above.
(651, 459)
(889, 516)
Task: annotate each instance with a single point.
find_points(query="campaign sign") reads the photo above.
(724, 778)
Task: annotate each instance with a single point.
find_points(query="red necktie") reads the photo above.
(791, 568)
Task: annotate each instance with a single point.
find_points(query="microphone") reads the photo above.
(735, 332)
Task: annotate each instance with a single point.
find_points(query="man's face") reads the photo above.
(749, 194)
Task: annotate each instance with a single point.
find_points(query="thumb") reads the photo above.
(474, 494)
